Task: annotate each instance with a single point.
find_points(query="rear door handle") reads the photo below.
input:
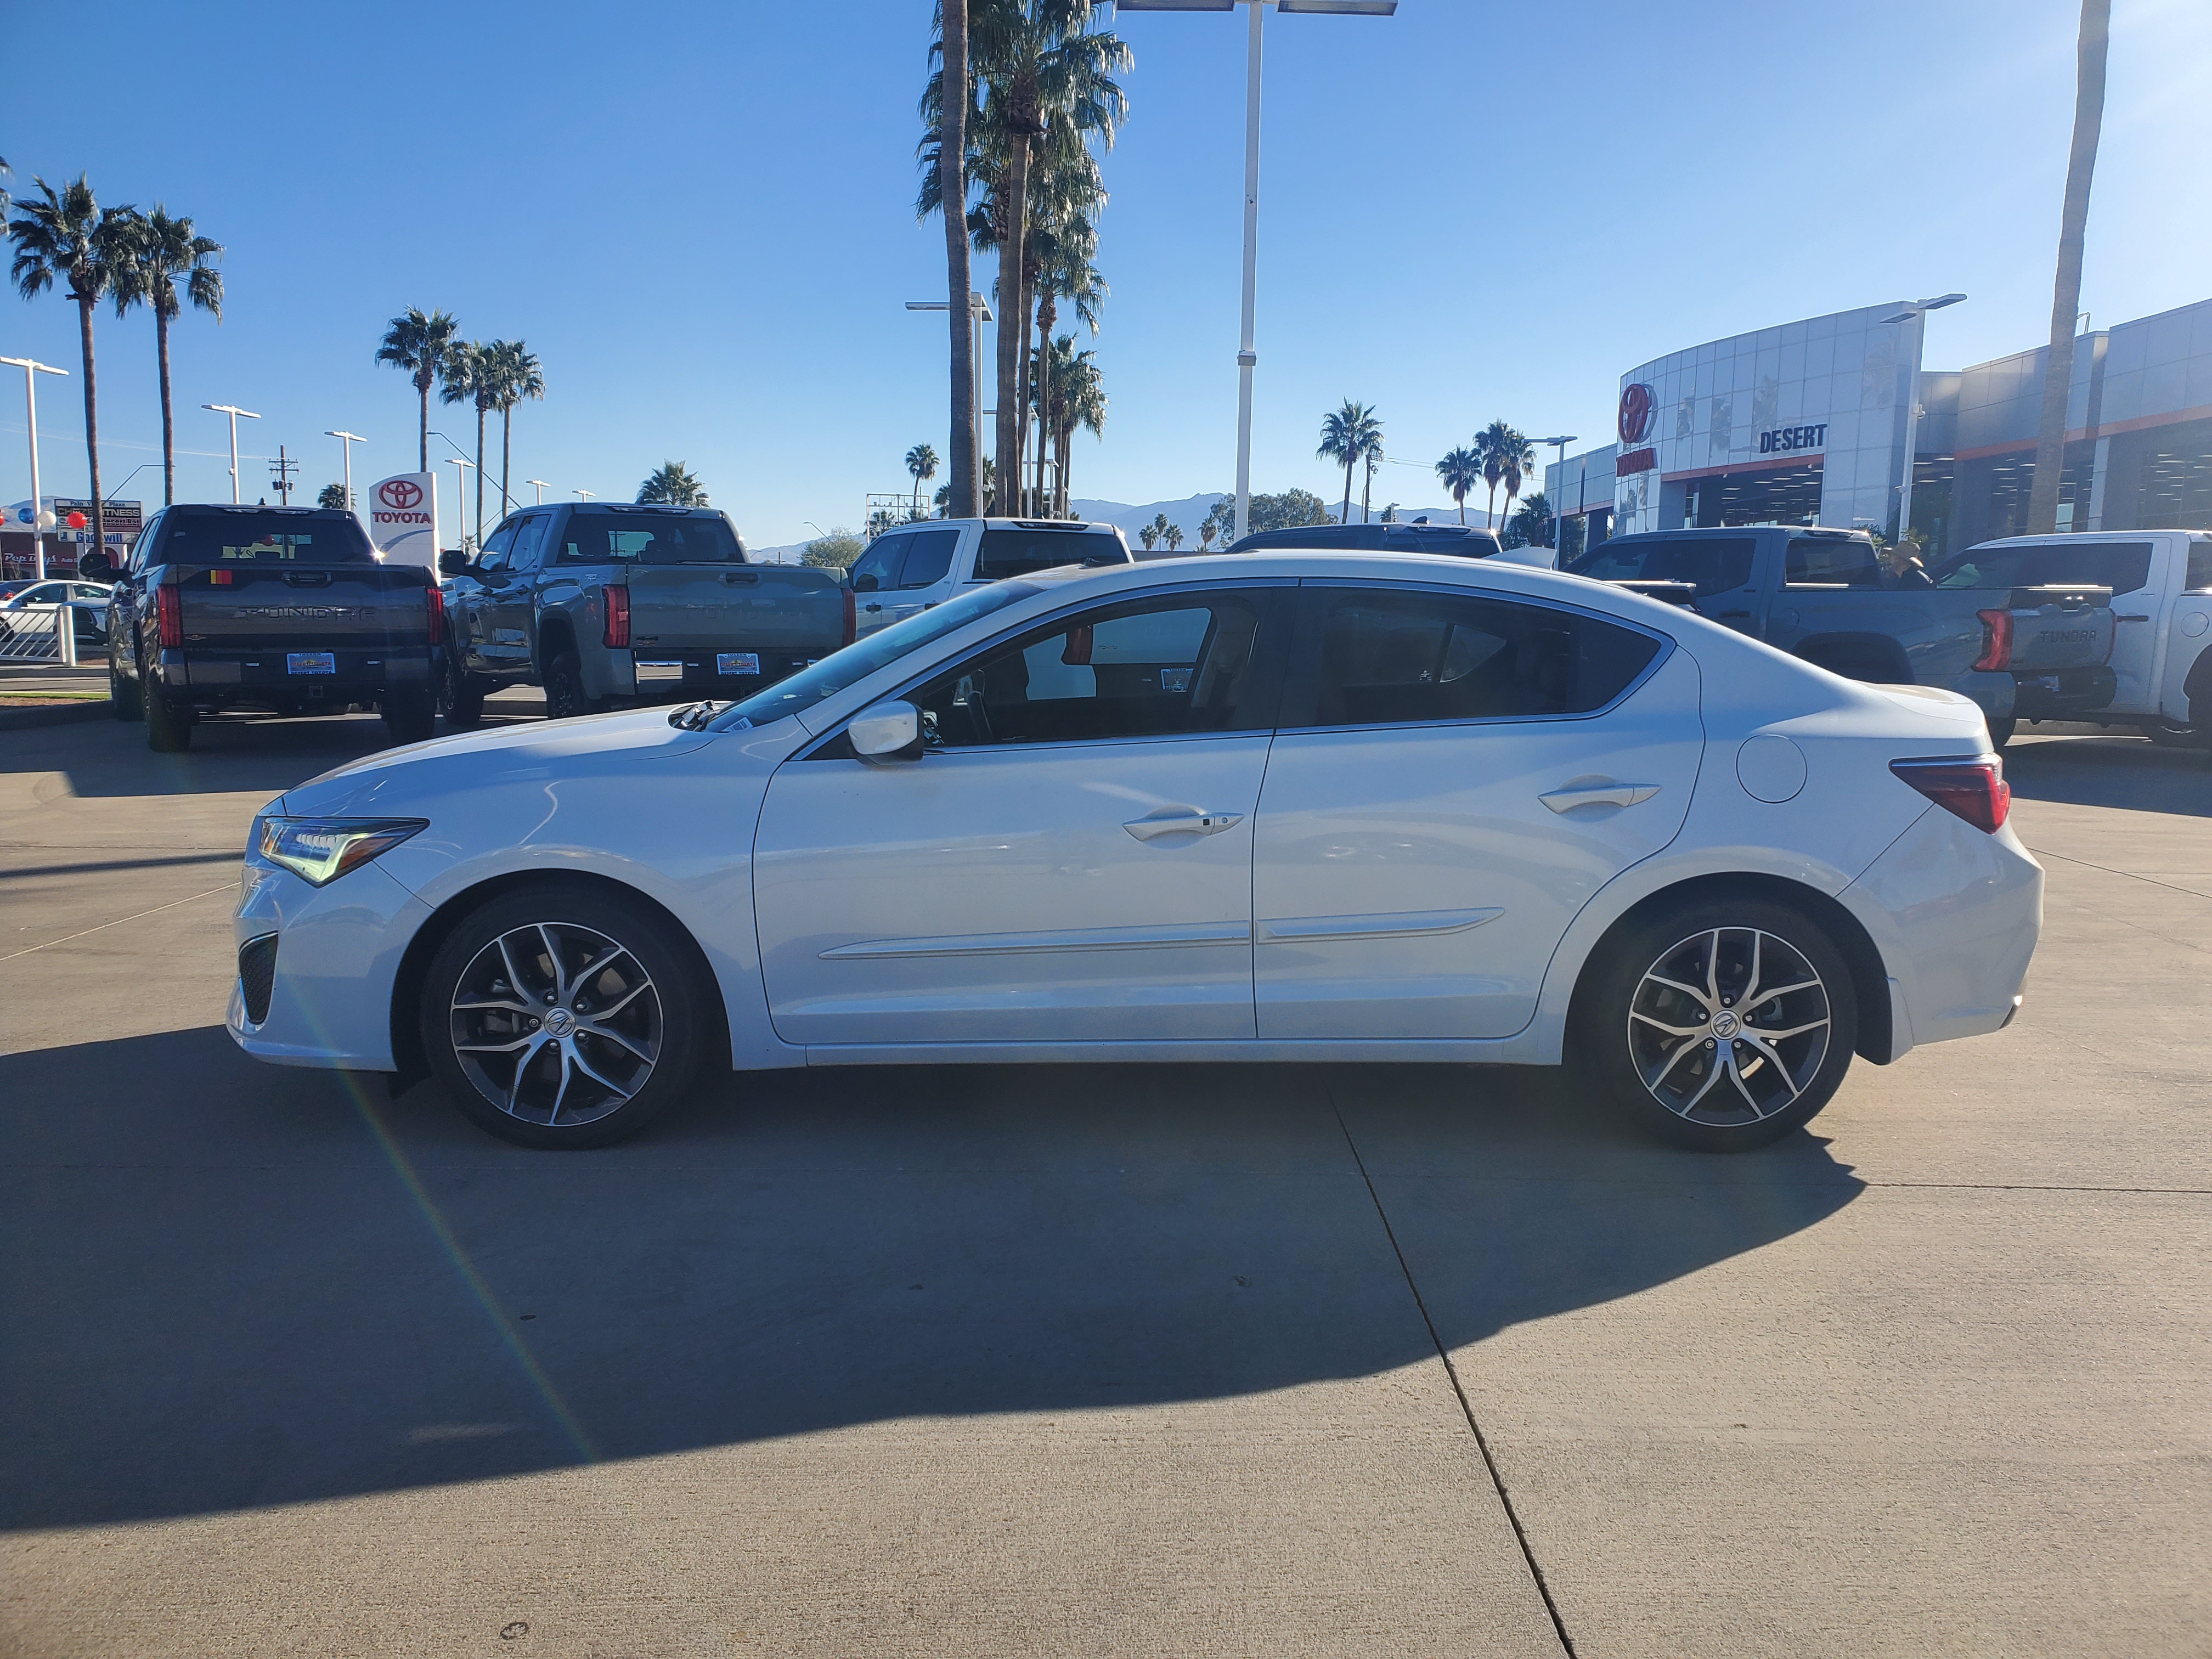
(1182, 821)
(1604, 794)
(1732, 613)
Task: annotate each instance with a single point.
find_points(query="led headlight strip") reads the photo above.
(320, 850)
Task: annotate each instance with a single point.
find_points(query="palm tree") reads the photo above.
(1078, 400)
(68, 235)
(921, 462)
(1501, 450)
(1151, 533)
(161, 250)
(516, 375)
(1173, 536)
(1347, 433)
(1461, 470)
(419, 345)
(1531, 525)
(333, 495)
(673, 482)
(2066, 288)
(471, 375)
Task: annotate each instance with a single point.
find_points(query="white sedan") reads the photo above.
(1275, 806)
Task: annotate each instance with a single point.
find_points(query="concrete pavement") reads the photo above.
(1086, 1360)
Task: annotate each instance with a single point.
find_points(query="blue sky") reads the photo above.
(700, 218)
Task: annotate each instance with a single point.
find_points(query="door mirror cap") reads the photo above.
(886, 732)
(452, 563)
(865, 584)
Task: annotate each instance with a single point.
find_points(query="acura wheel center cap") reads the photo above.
(1725, 1025)
(560, 1023)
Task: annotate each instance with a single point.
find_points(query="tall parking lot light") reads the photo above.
(1246, 358)
(539, 484)
(460, 466)
(1559, 519)
(979, 311)
(32, 369)
(1917, 314)
(348, 440)
(235, 413)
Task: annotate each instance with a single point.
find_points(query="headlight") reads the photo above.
(320, 850)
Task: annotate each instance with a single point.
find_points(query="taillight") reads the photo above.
(852, 618)
(1997, 642)
(617, 617)
(169, 612)
(436, 602)
(1974, 790)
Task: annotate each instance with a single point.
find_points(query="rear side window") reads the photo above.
(648, 538)
(928, 557)
(2199, 577)
(1831, 561)
(1712, 564)
(1396, 659)
(1018, 551)
(2121, 566)
(262, 539)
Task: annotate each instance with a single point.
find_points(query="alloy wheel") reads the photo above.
(556, 1023)
(1728, 1026)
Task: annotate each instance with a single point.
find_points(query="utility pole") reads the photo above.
(281, 470)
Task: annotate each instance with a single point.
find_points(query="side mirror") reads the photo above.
(886, 732)
(868, 584)
(93, 566)
(452, 563)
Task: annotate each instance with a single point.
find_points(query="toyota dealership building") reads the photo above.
(1806, 423)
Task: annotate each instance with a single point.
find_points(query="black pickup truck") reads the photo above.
(274, 610)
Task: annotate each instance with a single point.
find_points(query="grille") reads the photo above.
(257, 974)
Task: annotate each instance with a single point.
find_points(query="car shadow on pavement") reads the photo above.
(229, 1286)
(2131, 772)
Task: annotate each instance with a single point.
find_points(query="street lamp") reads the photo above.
(979, 311)
(540, 483)
(347, 440)
(234, 412)
(1917, 314)
(32, 369)
(1246, 358)
(1559, 519)
(583, 495)
(461, 465)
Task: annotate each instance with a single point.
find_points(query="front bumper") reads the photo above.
(338, 951)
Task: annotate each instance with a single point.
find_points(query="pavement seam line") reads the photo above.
(117, 922)
(2045, 853)
(1459, 1389)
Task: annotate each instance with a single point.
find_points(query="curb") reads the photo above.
(71, 713)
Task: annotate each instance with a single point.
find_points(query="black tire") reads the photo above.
(410, 717)
(564, 688)
(168, 729)
(123, 701)
(662, 1022)
(460, 698)
(1633, 1038)
(2000, 733)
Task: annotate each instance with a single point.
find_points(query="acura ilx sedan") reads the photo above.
(1276, 806)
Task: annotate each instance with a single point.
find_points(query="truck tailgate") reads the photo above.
(2060, 627)
(322, 607)
(776, 608)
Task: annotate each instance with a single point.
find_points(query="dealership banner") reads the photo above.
(402, 519)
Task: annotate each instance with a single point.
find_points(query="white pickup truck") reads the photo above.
(911, 566)
(2162, 583)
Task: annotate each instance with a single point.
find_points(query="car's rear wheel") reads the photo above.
(564, 688)
(2000, 733)
(1721, 1025)
(460, 698)
(168, 729)
(556, 1017)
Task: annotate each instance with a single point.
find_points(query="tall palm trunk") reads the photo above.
(422, 450)
(168, 411)
(1462, 507)
(1013, 309)
(480, 438)
(1344, 517)
(2066, 290)
(91, 425)
(1047, 314)
(962, 497)
(506, 456)
(1490, 513)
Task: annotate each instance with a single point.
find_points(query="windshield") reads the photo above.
(648, 538)
(2121, 566)
(1018, 551)
(262, 538)
(856, 662)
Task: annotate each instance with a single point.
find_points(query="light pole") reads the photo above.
(1917, 314)
(540, 484)
(347, 440)
(583, 495)
(234, 412)
(32, 369)
(979, 311)
(1559, 519)
(1246, 357)
(460, 466)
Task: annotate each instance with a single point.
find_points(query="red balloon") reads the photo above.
(78, 521)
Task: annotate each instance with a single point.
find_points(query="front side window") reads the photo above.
(496, 548)
(877, 567)
(620, 537)
(1831, 561)
(1712, 564)
(1159, 667)
(1388, 658)
(1020, 550)
(2123, 567)
(928, 557)
(529, 541)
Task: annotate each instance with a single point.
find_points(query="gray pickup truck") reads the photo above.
(607, 603)
(2036, 653)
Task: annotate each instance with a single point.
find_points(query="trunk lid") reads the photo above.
(2060, 627)
(303, 607)
(774, 609)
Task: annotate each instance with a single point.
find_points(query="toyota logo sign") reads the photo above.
(1635, 413)
(400, 494)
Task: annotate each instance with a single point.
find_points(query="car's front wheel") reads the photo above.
(556, 1016)
(122, 696)
(1720, 1024)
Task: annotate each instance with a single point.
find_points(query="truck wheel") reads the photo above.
(564, 688)
(1719, 1024)
(410, 717)
(558, 1018)
(460, 699)
(2000, 733)
(122, 696)
(168, 730)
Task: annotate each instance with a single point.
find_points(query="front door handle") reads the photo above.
(1182, 821)
(1732, 613)
(1603, 794)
